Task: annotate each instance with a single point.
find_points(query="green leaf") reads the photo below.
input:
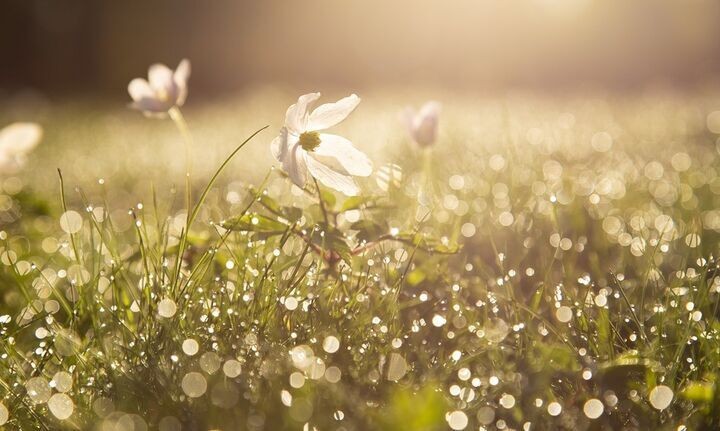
(265, 200)
(369, 230)
(422, 410)
(428, 244)
(416, 277)
(699, 392)
(328, 197)
(254, 223)
(292, 214)
(332, 241)
(355, 202)
(553, 356)
(288, 212)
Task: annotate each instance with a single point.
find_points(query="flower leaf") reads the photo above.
(369, 230)
(255, 223)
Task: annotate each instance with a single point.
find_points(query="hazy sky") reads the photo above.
(96, 46)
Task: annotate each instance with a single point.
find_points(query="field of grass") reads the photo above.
(547, 264)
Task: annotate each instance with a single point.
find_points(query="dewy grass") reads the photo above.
(567, 281)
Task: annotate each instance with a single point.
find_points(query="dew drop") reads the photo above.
(564, 314)
(190, 347)
(167, 308)
(457, 420)
(38, 390)
(291, 303)
(61, 406)
(4, 414)
(210, 362)
(194, 384)
(71, 222)
(62, 381)
(397, 367)
(486, 415)
(593, 408)
(232, 368)
(554, 408)
(333, 374)
(660, 397)
(331, 344)
(507, 401)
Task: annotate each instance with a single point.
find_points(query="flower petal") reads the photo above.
(278, 146)
(426, 124)
(139, 88)
(162, 82)
(331, 178)
(354, 161)
(296, 115)
(430, 109)
(19, 138)
(294, 164)
(181, 75)
(330, 114)
(150, 105)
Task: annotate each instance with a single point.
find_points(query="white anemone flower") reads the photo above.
(330, 159)
(423, 125)
(163, 90)
(16, 141)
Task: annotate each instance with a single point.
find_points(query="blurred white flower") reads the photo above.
(163, 90)
(16, 141)
(423, 125)
(330, 159)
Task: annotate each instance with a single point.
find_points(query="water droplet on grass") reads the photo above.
(232, 368)
(167, 308)
(71, 222)
(457, 420)
(660, 397)
(62, 381)
(38, 390)
(554, 408)
(397, 367)
(564, 314)
(331, 344)
(4, 414)
(61, 406)
(507, 401)
(190, 347)
(194, 384)
(593, 408)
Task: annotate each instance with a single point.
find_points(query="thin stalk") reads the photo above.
(322, 203)
(193, 212)
(179, 120)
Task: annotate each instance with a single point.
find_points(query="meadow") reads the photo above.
(539, 264)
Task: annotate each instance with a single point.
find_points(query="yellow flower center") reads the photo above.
(309, 140)
(163, 95)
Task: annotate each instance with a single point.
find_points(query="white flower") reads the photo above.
(330, 159)
(163, 90)
(16, 141)
(423, 125)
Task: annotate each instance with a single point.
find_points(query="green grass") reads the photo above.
(545, 270)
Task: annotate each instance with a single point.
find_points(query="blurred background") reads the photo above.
(497, 66)
(94, 47)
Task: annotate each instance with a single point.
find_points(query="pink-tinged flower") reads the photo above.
(163, 90)
(423, 125)
(16, 141)
(330, 159)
